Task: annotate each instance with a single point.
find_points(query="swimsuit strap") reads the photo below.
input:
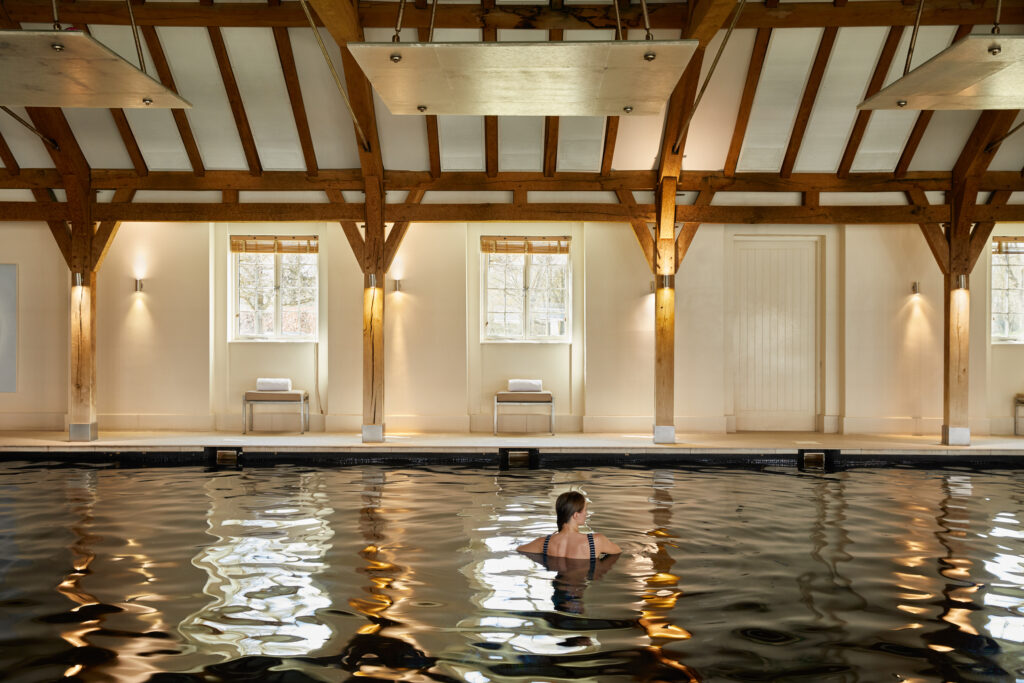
(593, 557)
(546, 539)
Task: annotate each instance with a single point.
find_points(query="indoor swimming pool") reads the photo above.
(292, 573)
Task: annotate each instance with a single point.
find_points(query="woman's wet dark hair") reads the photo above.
(567, 505)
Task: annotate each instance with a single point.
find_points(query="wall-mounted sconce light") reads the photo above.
(915, 287)
(396, 285)
(138, 285)
(961, 281)
(76, 280)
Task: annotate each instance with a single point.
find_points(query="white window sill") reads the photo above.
(526, 341)
(272, 341)
(1007, 342)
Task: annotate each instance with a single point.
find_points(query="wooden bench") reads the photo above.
(524, 398)
(297, 397)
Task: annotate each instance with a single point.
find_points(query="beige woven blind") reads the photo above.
(503, 244)
(1008, 245)
(274, 244)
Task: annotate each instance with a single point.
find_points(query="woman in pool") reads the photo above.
(571, 512)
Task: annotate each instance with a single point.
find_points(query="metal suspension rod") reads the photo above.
(49, 141)
(397, 38)
(135, 34)
(647, 19)
(433, 13)
(711, 72)
(913, 37)
(56, 23)
(999, 11)
(618, 20)
(998, 141)
(337, 79)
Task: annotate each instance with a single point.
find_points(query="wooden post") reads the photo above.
(956, 322)
(82, 424)
(373, 357)
(665, 314)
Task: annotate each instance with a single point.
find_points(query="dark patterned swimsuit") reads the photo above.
(593, 552)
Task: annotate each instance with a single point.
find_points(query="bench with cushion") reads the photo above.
(296, 397)
(524, 398)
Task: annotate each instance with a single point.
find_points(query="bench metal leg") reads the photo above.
(552, 425)
(245, 420)
(495, 415)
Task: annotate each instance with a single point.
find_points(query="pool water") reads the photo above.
(299, 574)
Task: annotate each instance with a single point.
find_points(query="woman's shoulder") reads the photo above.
(605, 545)
(534, 546)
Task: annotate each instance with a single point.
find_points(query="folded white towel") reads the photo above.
(525, 385)
(273, 384)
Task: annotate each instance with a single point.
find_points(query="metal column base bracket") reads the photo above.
(83, 432)
(373, 433)
(664, 434)
(73, 69)
(977, 72)
(956, 436)
(598, 78)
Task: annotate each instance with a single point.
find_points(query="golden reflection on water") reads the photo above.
(261, 570)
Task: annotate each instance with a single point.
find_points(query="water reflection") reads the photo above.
(262, 568)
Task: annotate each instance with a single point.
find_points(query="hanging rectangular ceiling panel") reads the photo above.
(596, 78)
(978, 72)
(73, 69)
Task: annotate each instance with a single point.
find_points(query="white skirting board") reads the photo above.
(157, 421)
(643, 424)
(980, 426)
(34, 421)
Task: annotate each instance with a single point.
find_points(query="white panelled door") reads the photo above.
(775, 369)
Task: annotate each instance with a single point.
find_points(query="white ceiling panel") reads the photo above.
(646, 197)
(1010, 155)
(467, 197)
(353, 196)
(461, 139)
(756, 199)
(395, 196)
(943, 141)
(637, 143)
(1016, 198)
(16, 196)
(580, 143)
(846, 78)
(283, 196)
(887, 131)
(154, 129)
(194, 67)
(97, 135)
(330, 123)
(935, 196)
(863, 199)
(572, 197)
(707, 141)
(522, 35)
(520, 143)
(403, 139)
(28, 150)
(572, 35)
(257, 68)
(172, 196)
(457, 35)
(786, 65)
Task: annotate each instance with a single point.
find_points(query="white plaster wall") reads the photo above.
(425, 332)
(344, 343)
(153, 347)
(41, 399)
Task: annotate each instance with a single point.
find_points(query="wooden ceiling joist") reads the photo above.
(130, 143)
(7, 157)
(550, 146)
(511, 16)
(163, 70)
(227, 75)
(860, 124)
(291, 82)
(803, 114)
(433, 146)
(611, 134)
(747, 98)
(491, 145)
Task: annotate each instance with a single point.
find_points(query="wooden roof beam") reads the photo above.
(291, 82)
(747, 99)
(227, 75)
(491, 123)
(803, 114)
(611, 134)
(433, 138)
(10, 163)
(130, 143)
(860, 124)
(163, 70)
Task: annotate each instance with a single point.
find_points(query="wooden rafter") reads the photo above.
(130, 143)
(10, 163)
(611, 133)
(550, 145)
(860, 125)
(291, 82)
(747, 98)
(227, 75)
(163, 70)
(433, 138)
(491, 123)
(921, 124)
(381, 14)
(803, 114)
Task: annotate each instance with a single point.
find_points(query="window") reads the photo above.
(1008, 289)
(527, 292)
(276, 286)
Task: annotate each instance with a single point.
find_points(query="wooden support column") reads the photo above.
(82, 424)
(665, 313)
(373, 314)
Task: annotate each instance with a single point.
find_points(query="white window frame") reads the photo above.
(526, 338)
(1019, 249)
(277, 336)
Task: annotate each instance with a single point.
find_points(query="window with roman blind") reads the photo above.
(527, 292)
(276, 285)
(1008, 289)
